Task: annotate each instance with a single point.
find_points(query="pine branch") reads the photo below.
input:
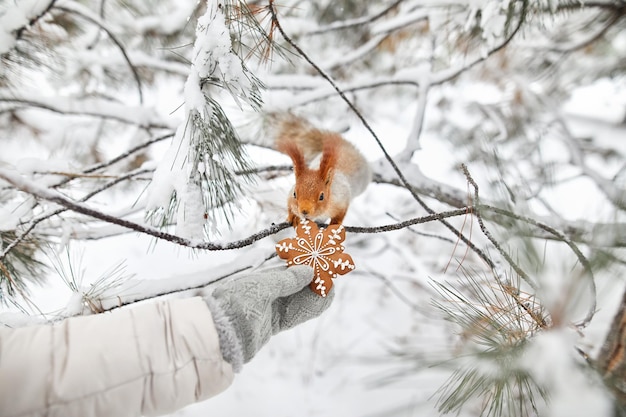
(495, 324)
(78, 10)
(47, 194)
(207, 152)
(19, 31)
(21, 261)
(351, 23)
(367, 126)
(559, 236)
(98, 108)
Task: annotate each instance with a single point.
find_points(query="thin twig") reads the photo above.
(58, 198)
(123, 114)
(214, 281)
(558, 235)
(36, 221)
(489, 236)
(359, 21)
(358, 53)
(325, 93)
(91, 169)
(395, 290)
(429, 235)
(74, 175)
(388, 157)
(19, 32)
(101, 25)
(129, 152)
(407, 223)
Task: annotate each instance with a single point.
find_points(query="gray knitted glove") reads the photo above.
(247, 311)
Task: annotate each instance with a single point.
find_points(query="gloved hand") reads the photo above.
(247, 311)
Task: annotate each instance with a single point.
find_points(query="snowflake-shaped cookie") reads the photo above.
(319, 248)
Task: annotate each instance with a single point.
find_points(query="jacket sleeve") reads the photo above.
(148, 360)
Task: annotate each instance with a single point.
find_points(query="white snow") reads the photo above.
(15, 15)
(337, 365)
(575, 390)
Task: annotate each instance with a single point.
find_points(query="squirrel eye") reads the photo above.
(321, 196)
(294, 194)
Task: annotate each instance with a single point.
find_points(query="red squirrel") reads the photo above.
(329, 171)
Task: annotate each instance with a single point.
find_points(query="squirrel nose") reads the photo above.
(305, 212)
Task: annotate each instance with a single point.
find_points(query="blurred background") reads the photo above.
(489, 247)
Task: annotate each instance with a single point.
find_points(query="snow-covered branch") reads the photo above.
(17, 17)
(351, 23)
(421, 87)
(72, 7)
(92, 107)
(38, 191)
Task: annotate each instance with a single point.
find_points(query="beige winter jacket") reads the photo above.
(147, 360)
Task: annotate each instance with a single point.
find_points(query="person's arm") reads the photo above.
(147, 360)
(153, 358)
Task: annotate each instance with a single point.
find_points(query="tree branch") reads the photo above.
(395, 167)
(348, 24)
(104, 109)
(519, 271)
(36, 190)
(611, 360)
(86, 14)
(559, 236)
(32, 21)
(36, 221)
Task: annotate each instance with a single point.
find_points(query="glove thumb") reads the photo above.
(290, 281)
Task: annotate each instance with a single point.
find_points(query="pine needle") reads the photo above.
(495, 321)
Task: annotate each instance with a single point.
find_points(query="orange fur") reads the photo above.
(315, 195)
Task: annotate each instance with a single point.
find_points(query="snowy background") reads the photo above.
(383, 348)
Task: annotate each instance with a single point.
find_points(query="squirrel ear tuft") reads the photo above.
(296, 155)
(329, 159)
(329, 176)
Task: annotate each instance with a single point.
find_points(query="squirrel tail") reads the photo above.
(290, 130)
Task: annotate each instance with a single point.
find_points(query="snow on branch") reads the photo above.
(48, 194)
(351, 23)
(166, 24)
(404, 181)
(93, 107)
(69, 6)
(196, 183)
(18, 16)
(38, 191)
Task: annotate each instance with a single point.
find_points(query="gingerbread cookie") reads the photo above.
(319, 248)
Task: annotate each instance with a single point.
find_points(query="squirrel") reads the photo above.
(329, 170)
